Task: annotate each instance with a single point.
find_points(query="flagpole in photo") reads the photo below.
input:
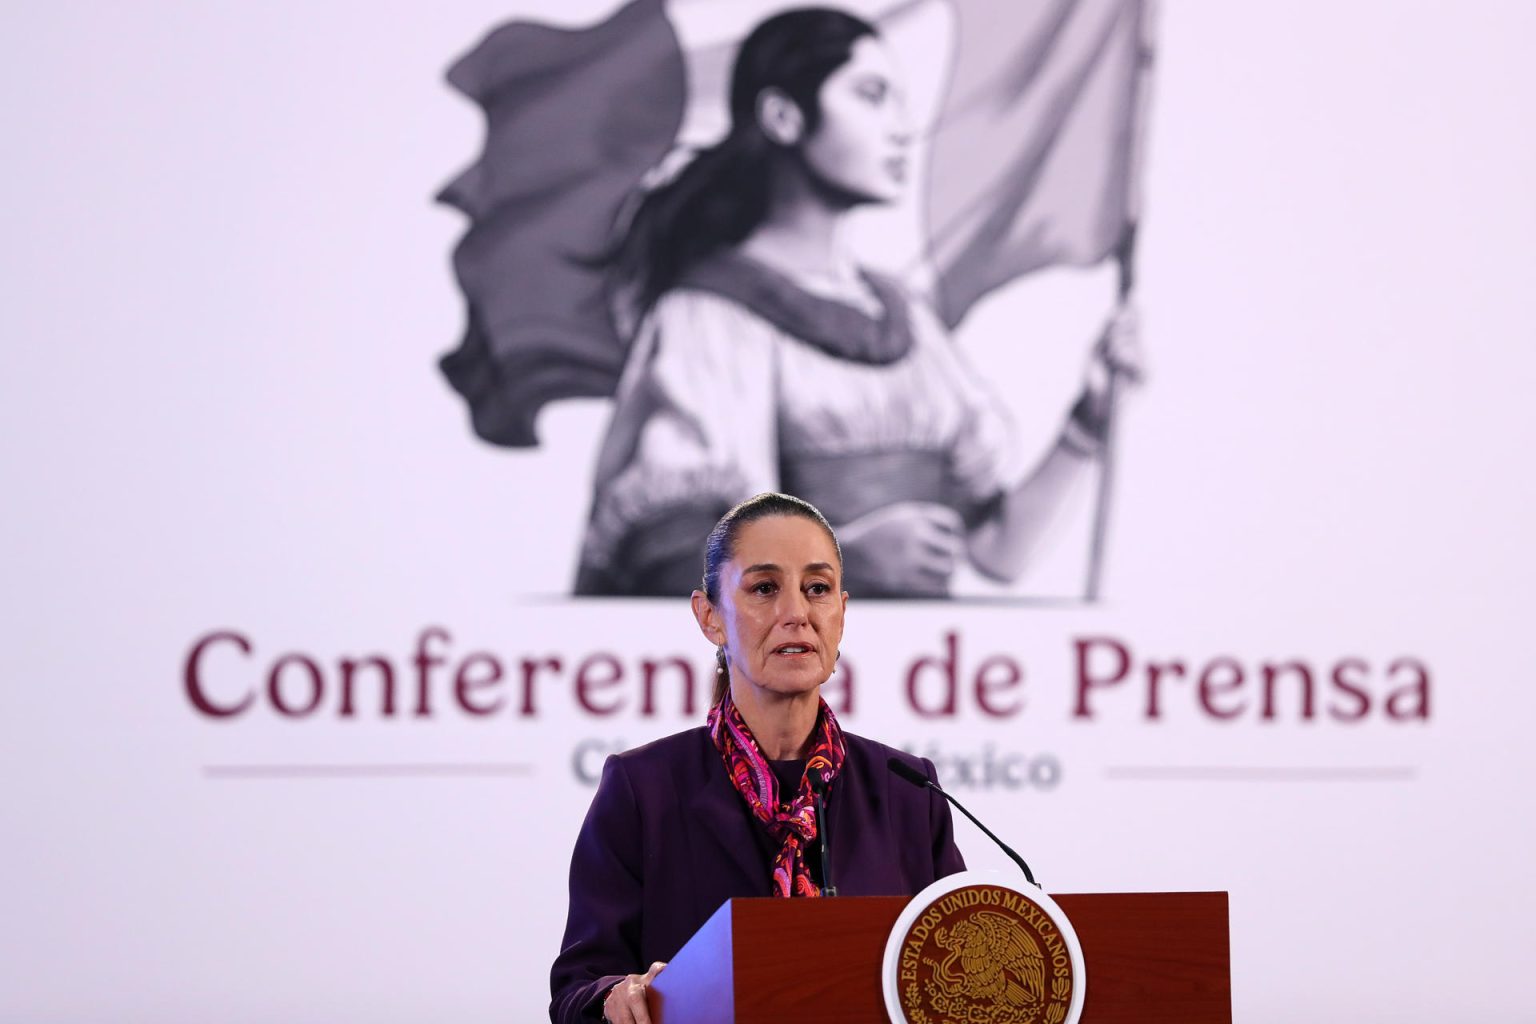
(1125, 259)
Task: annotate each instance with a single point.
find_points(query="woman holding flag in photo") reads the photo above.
(767, 358)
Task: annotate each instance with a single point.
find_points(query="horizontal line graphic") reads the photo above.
(466, 769)
(1262, 773)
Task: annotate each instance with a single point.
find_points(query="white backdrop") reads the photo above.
(224, 289)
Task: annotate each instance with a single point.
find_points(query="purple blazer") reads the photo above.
(668, 839)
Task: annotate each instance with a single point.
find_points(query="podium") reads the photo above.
(1150, 958)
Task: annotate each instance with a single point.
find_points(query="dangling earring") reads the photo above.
(722, 675)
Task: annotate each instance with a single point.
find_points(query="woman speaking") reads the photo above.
(683, 824)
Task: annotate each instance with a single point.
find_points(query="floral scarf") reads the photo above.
(753, 778)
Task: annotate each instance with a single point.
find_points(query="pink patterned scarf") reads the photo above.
(795, 827)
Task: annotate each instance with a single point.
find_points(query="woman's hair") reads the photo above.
(721, 546)
(723, 194)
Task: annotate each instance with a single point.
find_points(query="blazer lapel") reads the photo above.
(724, 853)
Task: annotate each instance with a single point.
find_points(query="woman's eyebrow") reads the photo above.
(774, 567)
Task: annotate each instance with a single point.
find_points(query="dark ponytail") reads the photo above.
(723, 194)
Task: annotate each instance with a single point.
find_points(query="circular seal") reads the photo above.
(973, 949)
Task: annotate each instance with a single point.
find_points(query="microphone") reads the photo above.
(922, 781)
(819, 792)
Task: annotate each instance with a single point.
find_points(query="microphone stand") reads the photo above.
(819, 792)
(922, 781)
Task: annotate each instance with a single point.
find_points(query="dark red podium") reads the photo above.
(1151, 958)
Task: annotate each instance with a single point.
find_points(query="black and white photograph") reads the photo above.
(718, 294)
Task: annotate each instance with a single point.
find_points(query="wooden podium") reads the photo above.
(1151, 958)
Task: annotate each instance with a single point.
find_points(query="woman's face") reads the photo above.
(860, 144)
(780, 613)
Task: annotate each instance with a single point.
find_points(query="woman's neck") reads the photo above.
(782, 725)
(802, 234)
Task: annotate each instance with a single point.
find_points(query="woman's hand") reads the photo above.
(625, 1002)
(1117, 357)
(910, 548)
(1119, 346)
(1117, 353)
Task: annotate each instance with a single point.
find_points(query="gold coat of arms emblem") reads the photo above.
(971, 950)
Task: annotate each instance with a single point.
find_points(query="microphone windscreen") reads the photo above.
(907, 772)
